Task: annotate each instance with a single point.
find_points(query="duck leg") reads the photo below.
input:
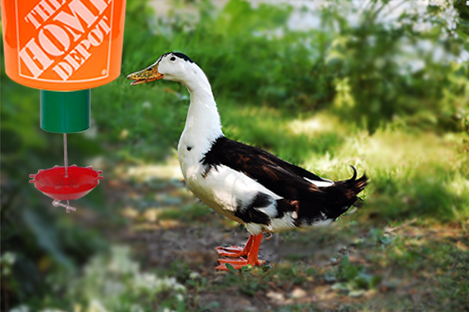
(250, 250)
(236, 251)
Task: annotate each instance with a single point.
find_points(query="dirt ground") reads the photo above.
(173, 233)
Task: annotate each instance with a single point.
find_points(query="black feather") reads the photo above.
(180, 55)
(249, 213)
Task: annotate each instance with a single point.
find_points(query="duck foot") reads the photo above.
(250, 250)
(233, 251)
(237, 263)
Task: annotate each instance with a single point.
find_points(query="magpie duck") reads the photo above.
(244, 183)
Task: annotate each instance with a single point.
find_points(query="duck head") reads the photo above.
(173, 66)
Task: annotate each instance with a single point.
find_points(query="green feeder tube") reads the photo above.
(65, 112)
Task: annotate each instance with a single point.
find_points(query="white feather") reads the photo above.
(271, 210)
(276, 225)
(325, 183)
(322, 222)
(224, 188)
(281, 224)
(254, 228)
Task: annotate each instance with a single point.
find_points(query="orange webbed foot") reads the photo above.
(236, 251)
(250, 250)
(233, 251)
(237, 263)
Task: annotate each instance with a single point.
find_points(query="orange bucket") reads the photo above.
(63, 45)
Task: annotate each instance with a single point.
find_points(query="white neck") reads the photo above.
(203, 125)
(203, 120)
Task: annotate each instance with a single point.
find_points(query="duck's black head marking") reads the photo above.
(180, 55)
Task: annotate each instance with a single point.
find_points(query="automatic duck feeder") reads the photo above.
(64, 48)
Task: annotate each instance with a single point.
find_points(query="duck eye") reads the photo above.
(172, 59)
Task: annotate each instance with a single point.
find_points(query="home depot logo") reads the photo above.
(66, 40)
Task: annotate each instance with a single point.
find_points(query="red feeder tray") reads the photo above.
(79, 182)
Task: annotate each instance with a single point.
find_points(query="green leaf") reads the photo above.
(345, 261)
(341, 286)
(246, 268)
(293, 269)
(349, 270)
(386, 240)
(310, 271)
(211, 306)
(363, 280)
(375, 280)
(181, 306)
(231, 268)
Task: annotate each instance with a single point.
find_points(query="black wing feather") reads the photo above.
(279, 176)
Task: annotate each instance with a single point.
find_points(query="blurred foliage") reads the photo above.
(355, 280)
(393, 93)
(114, 282)
(373, 69)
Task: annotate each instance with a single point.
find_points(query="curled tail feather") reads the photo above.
(357, 186)
(343, 194)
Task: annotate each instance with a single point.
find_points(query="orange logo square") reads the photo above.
(63, 40)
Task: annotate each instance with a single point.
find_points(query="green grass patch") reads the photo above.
(188, 213)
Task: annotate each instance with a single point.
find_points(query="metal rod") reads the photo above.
(57, 203)
(65, 155)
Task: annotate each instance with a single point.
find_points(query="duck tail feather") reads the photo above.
(361, 183)
(354, 177)
(357, 185)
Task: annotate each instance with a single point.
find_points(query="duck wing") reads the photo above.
(279, 176)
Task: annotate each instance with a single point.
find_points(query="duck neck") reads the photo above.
(203, 119)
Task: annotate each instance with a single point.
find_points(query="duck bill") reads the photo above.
(145, 75)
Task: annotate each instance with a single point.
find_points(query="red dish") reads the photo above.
(53, 183)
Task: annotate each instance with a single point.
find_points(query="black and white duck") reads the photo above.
(246, 184)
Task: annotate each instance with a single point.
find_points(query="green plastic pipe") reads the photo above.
(65, 112)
